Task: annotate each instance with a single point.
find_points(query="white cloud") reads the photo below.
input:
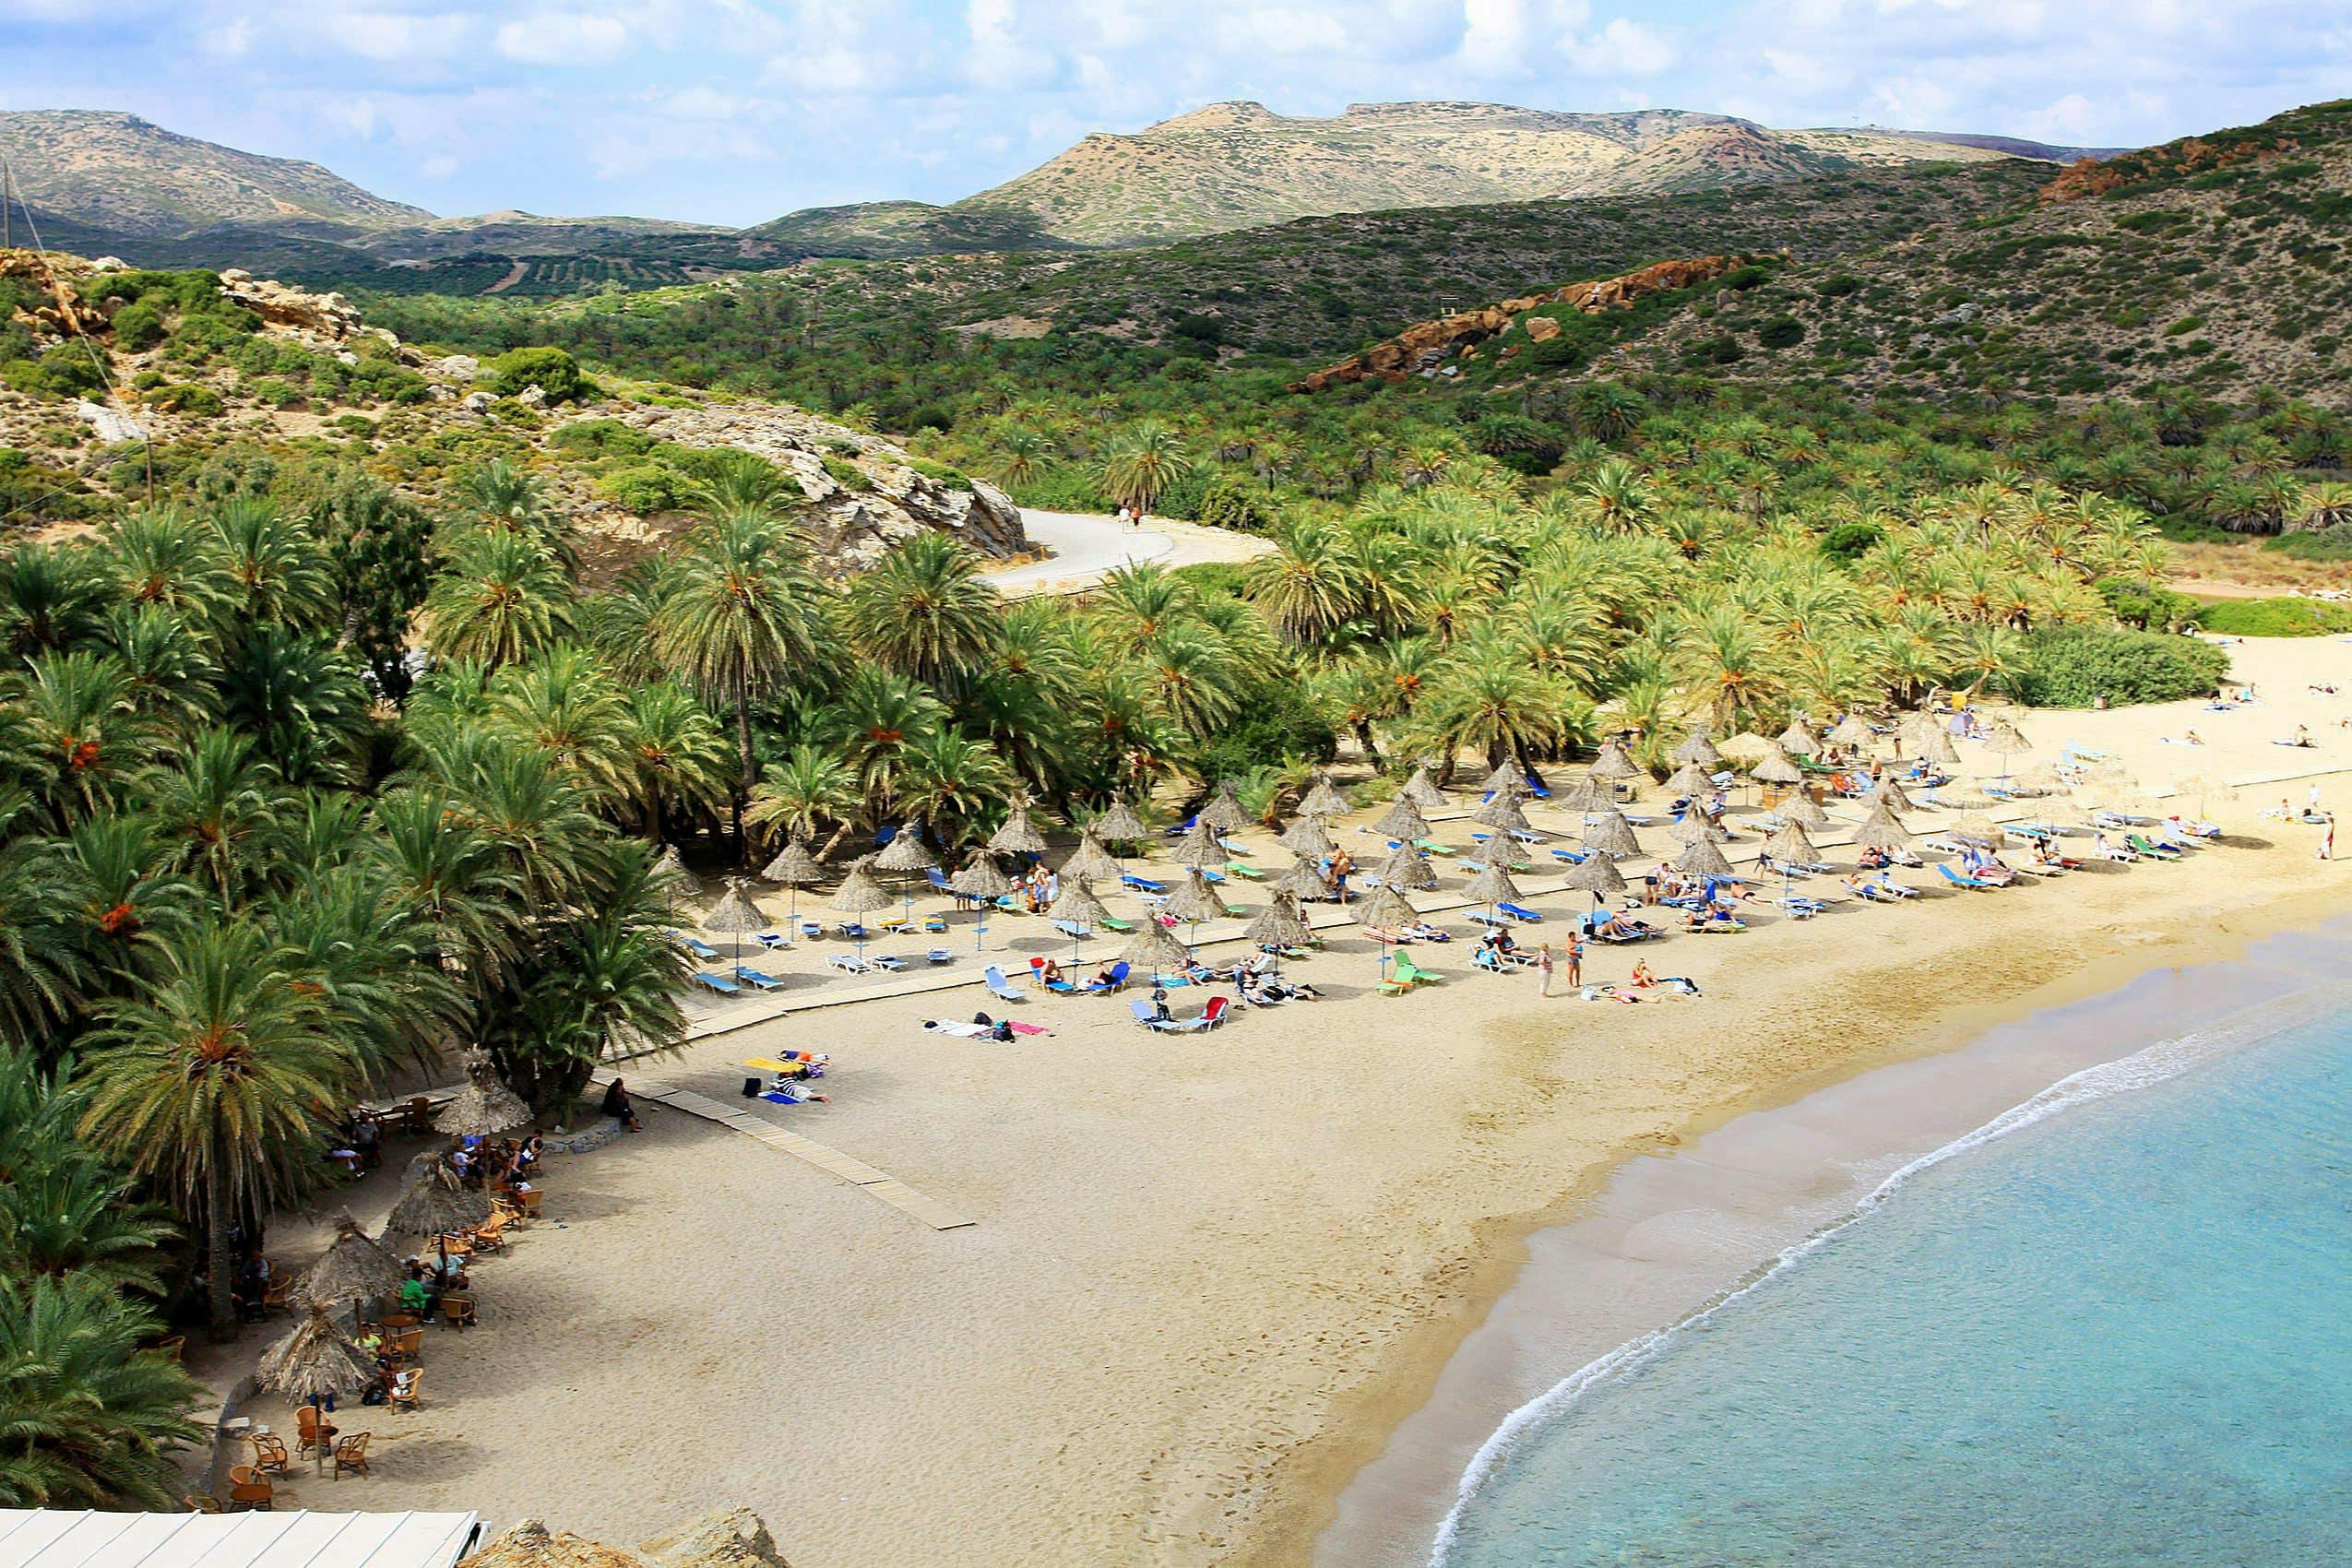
(229, 41)
(437, 169)
(390, 37)
(1621, 48)
(565, 37)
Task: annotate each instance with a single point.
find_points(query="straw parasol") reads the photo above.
(1798, 739)
(1892, 794)
(1384, 906)
(435, 1204)
(1502, 814)
(2042, 779)
(1851, 730)
(1090, 861)
(1934, 743)
(1689, 778)
(1224, 812)
(1120, 824)
(356, 1268)
(795, 868)
(1792, 844)
(2205, 788)
(981, 879)
(736, 915)
(1702, 858)
(1597, 874)
(1195, 901)
(1695, 827)
(1306, 837)
(860, 894)
(1699, 748)
(1407, 866)
(1608, 833)
(1324, 799)
(670, 873)
(314, 1359)
(484, 1106)
(1507, 775)
(1779, 767)
(1803, 810)
(1078, 905)
(1493, 886)
(2005, 741)
(1422, 790)
(1612, 764)
(1979, 830)
(1278, 925)
(1583, 793)
(1155, 950)
(1303, 880)
(1019, 834)
(906, 854)
(1402, 821)
(1883, 831)
(1199, 847)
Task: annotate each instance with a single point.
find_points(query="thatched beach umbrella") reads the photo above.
(1278, 926)
(1702, 858)
(860, 894)
(670, 876)
(1422, 790)
(1695, 826)
(1793, 845)
(484, 1106)
(1224, 812)
(434, 1203)
(1502, 814)
(1307, 836)
(1978, 830)
(1803, 810)
(356, 1268)
(1156, 951)
(1018, 835)
(1699, 748)
(1079, 906)
(795, 868)
(1797, 740)
(1691, 778)
(1090, 861)
(1120, 824)
(907, 854)
(1402, 821)
(1851, 730)
(1385, 907)
(1583, 793)
(1303, 880)
(1883, 831)
(1932, 742)
(1612, 765)
(736, 915)
(1493, 886)
(1195, 901)
(1890, 793)
(983, 880)
(1597, 874)
(1199, 847)
(1778, 769)
(2042, 779)
(1324, 799)
(1607, 832)
(314, 1360)
(2006, 740)
(1407, 866)
(1508, 776)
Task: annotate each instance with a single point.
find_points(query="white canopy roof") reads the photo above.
(65, 1538)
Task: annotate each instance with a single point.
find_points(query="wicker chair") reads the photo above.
(456, 1312)
(351, 1454)
(249, 1488)
(407, 1389)
(268, 1454)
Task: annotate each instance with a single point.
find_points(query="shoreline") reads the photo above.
(1303, 1513)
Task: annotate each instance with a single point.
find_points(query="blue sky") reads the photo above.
(736, 111)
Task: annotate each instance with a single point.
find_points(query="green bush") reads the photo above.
(2149, 609)
(1226, 504)
(141, 324)
(59, 374)
(1848, 542)
(552, 371)
(645, 487)
(1781, 332)
(1275, 720)
(939, 473)
(187, 399)
(278, 393)
(2274, 617)
(846, 474)
(2076, 666)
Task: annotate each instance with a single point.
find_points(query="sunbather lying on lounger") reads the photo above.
(1421, 931)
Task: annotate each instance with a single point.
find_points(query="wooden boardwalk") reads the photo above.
(881, 1184)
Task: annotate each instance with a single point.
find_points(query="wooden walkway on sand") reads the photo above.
(881, 1184)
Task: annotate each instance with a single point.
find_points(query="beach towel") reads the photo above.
(963, 1030)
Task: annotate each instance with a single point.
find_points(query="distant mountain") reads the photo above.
(882, 228)
(1241, 165)
(120, 174)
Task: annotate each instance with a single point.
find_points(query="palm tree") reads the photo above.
(62, 1210)
(92, 1420)
(215, 800)
(677, 754)
(1138, 471)
(563, 704)
(1025, 454)
(739, 612)
(275, 571)
(50, 599)
(503, 597)
(808, 788)
(213, 1081)
(925, 613)
(1307, 589)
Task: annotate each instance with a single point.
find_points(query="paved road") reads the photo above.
(1084, 548)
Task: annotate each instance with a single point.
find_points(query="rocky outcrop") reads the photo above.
(1423, 347)
(867, 499)
(329, 318)
(62, 311)
(732, 1539)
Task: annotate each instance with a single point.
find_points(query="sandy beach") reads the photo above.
(1207, 1274)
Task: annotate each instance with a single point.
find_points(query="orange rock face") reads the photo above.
(1429, 343)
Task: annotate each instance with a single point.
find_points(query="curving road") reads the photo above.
(1083, 548)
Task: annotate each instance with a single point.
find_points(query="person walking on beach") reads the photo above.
(1576, 962)
(2327, 839)
(1543, 971)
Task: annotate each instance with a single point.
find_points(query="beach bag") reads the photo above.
(751, 1088)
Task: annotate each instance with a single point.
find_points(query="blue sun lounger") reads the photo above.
(1117, 977)
(758, 980)
(719, 983)
(1521, 914)
(695, 945)
(1000, 987)
(1957, 879)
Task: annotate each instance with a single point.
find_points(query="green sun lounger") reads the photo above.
(1404, 975)
(1247, 874)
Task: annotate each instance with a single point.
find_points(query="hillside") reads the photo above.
(1239, 165)
(2215, 262)
(117, 174)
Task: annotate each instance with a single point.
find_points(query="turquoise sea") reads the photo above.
(2112, 1327)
